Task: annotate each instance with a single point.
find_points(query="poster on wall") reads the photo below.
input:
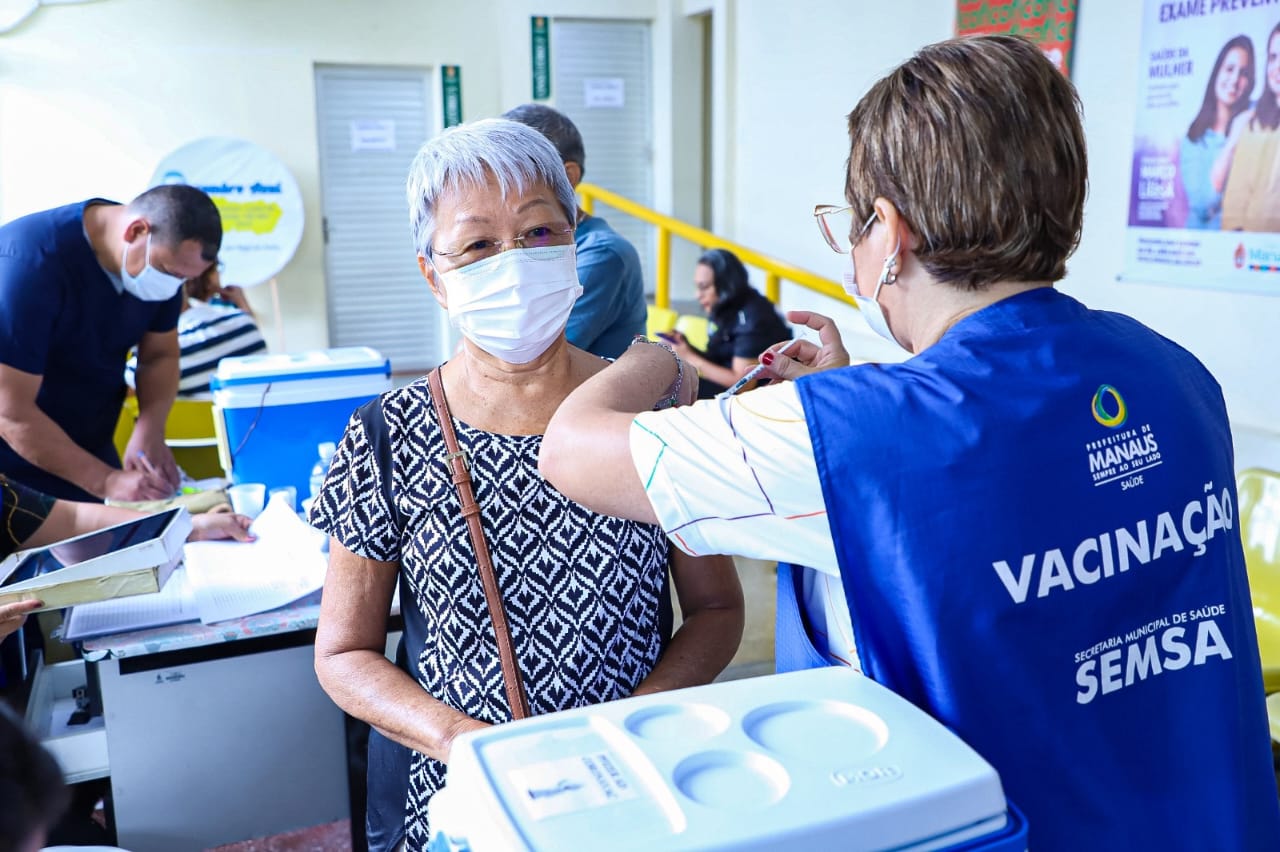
(1051, 24)
(258, 199)
(1204, 190)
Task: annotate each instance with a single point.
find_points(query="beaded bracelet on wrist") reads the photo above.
(672, 397)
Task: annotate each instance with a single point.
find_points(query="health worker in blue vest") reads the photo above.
(1032, 520)
(80, 286)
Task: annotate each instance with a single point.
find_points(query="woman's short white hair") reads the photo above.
(473, 154)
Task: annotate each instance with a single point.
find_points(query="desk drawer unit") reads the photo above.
(221, 743)
(80, 748)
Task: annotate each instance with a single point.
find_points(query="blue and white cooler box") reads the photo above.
(272, 411)
(816, 759)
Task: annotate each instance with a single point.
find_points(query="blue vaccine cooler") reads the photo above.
(271, 412)
(815, 759)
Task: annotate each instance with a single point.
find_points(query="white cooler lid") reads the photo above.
(824, 758)
(300, 366)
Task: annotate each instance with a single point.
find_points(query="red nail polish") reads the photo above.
(766, 358)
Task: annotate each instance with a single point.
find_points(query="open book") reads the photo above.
(132, 558)
(173, 604)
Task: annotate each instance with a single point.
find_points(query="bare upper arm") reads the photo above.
(355, 602)
(18, 390)
(158, 344)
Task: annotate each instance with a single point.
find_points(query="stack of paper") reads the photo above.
(173, 604)
(233, 579)
(221, 580)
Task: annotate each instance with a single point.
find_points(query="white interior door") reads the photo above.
(601, 79)
(371, 122)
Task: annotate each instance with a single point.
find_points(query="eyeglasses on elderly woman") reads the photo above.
(836, 226)
(476, 249)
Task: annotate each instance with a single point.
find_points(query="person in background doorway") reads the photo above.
(1203, 159)
(611, 310)
(216, 322)
(80, 286)
(1251, 200)
(744, 323)
(1031, 520)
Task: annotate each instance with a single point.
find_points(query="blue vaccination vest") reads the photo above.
(1035, 525)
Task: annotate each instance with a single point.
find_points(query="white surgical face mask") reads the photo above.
(513, 305)
(869, 306)
(149, 285)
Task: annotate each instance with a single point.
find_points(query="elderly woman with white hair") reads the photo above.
(492, 214)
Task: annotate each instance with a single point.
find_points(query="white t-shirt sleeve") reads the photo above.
(736, 476)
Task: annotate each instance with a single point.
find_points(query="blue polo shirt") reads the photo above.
(611, 310)
(64, 319)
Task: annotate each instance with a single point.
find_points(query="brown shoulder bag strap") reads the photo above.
(471, 513)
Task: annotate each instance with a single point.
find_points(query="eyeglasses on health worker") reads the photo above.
(1031, 520)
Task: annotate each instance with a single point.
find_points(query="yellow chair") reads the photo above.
(659, 321)
(189, 432)
(1259, 494)
(124, 426)
(695, 330)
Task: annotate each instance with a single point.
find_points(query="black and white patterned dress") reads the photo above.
(581, 590)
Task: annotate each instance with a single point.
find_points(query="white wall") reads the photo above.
(93, 96)
(797, 77)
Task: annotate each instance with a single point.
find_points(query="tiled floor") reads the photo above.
(330, 837)
(754, 658)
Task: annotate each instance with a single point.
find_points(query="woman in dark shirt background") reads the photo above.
(744, 323)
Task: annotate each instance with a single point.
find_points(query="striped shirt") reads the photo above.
(207, 334)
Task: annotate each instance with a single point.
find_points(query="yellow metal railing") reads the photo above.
(776, 271)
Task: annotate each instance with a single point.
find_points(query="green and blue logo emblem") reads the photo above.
(1109, 397)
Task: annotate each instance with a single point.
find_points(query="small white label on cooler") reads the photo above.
(571, 784)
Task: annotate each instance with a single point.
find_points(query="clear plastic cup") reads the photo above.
(248, 498)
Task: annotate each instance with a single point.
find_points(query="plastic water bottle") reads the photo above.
(321, 468)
